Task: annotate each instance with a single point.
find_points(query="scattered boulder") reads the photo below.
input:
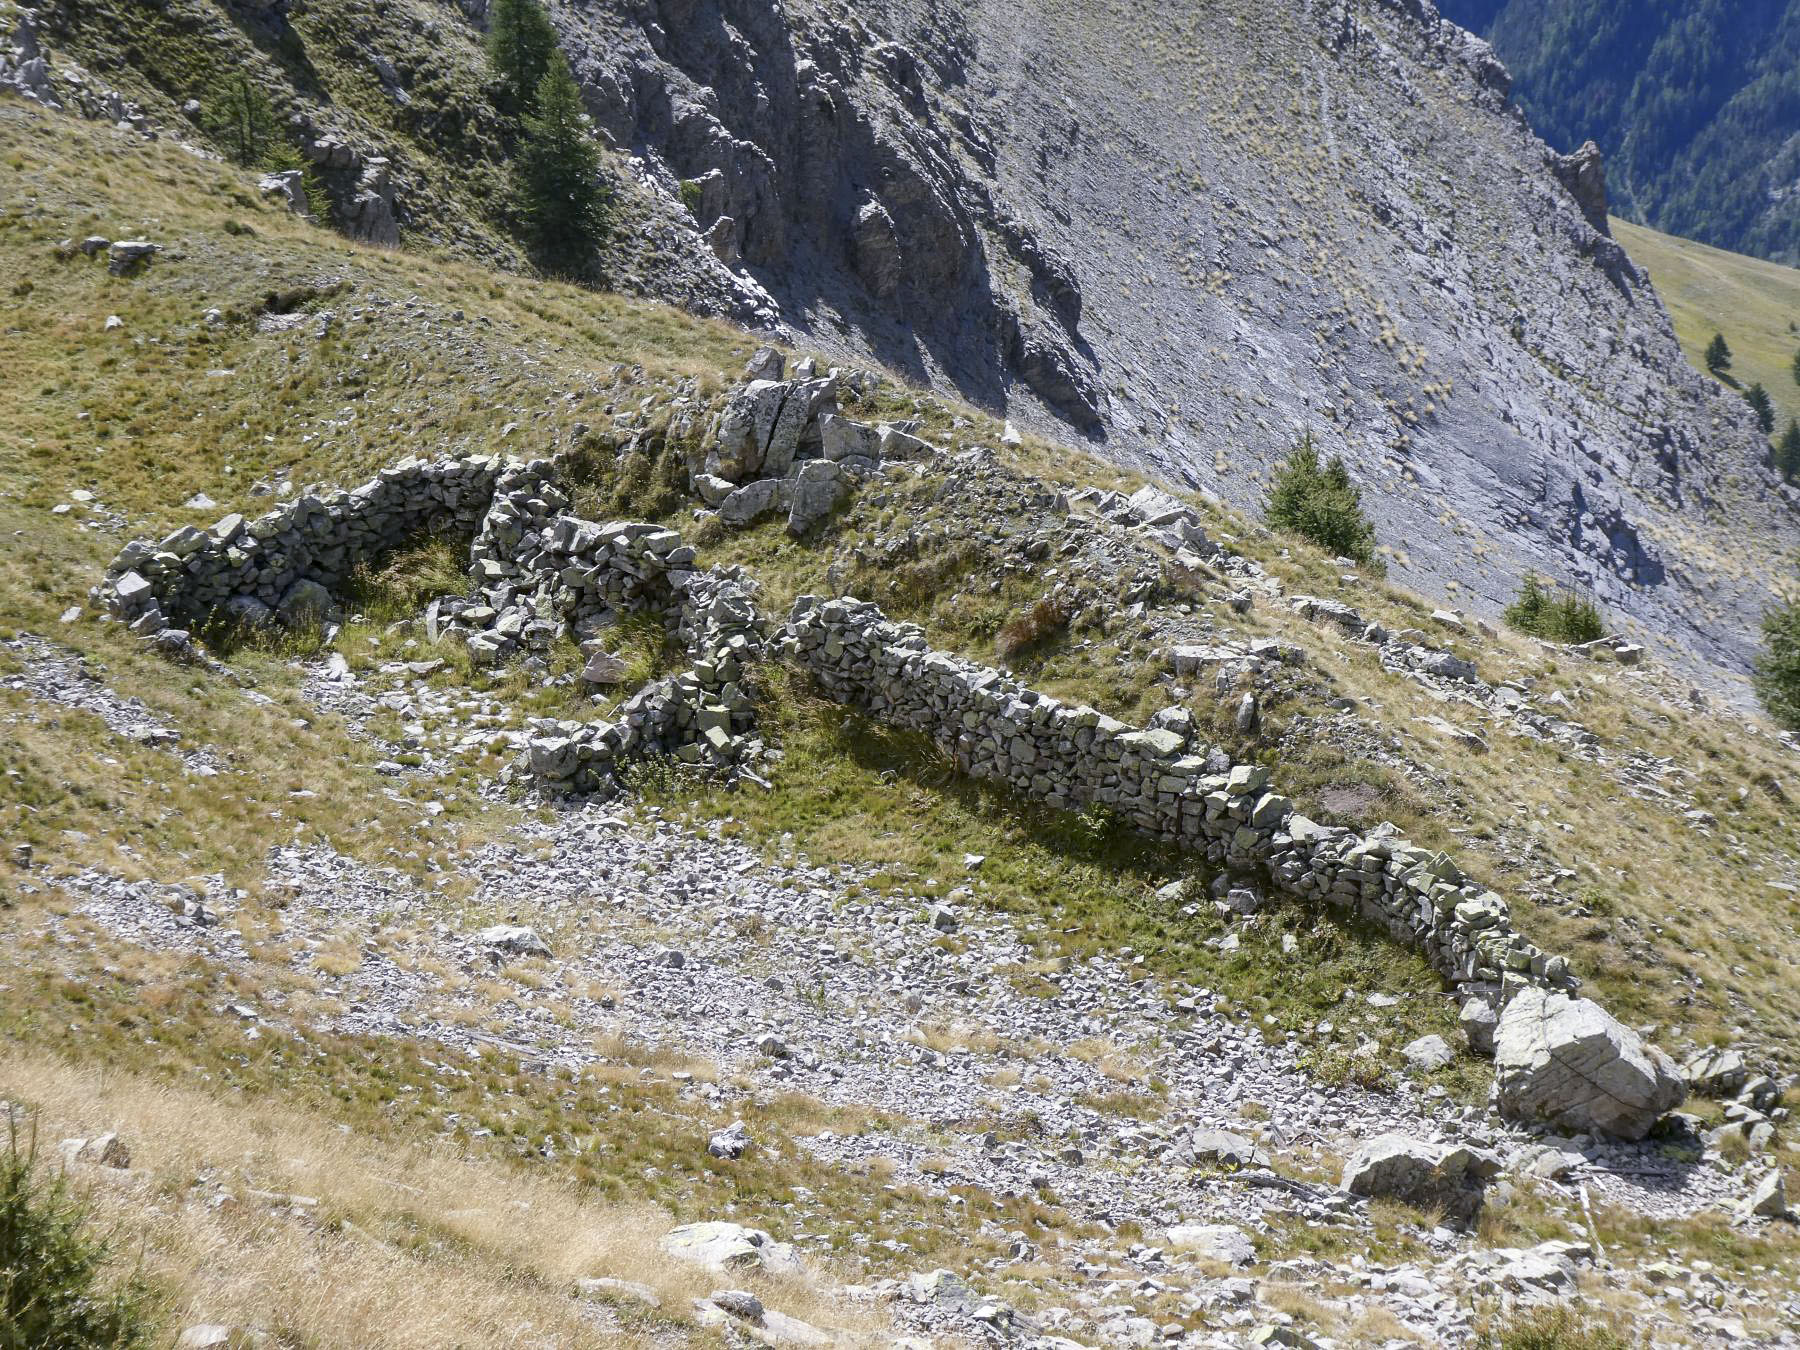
(730, 1142)
(1566, 1062)
(105, 1150)
(604, 667)
(1428, 1053)
(126, 256)
(1768, 1200)
(1428, 1175)
(1220, 1242)
(306, 604)
(719, 1245)
(1478, 1020)
(1226, 1147)
(513, 940)
(818, 488)
(289, 188)
(1716, 1073)
(739, 1303)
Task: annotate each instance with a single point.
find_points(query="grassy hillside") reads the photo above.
(1755, 304)
(257, 352)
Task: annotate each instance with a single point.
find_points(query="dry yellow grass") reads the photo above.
(405, 1246)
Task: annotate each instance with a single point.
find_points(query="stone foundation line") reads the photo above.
(539, 572)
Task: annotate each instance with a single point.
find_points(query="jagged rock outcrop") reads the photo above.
(1583, 173)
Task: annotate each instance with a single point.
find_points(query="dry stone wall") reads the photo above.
(1074, 757)
(539, 573)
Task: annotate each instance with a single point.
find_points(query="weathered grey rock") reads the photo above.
(766, 363)
(604, 667)
(739, 1303)
(125, 256)
(1220, 1242)
(1478, 1021)
(719, 1245)
(105, 1150)
(1768, 1199)
(1583, 173)
(371, 213)
(287, 187)
(819, 487)
(750, 503)
(1225, 1147)
(843, 438)
(513, 939)
(1716, 1073)
(1566, 1062)
(306, 603)
(1428, 1053)
(730, 1142)
(1420, 1173)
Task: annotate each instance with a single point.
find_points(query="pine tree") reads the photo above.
(1758, 399)
(238, 115)
(1718, 355)
(1777, 672)
(1787, 452)
(520, 42)
(556, 176)
(1797, 367)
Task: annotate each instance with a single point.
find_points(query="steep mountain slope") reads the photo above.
(1196, 234)
(1697, 105)
(1183, 236)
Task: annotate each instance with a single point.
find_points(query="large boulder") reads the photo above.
(1566, 1062)
(1433, 1176)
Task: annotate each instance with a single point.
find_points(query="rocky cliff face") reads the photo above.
(1188, 234)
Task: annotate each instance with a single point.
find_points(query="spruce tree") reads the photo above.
(1787, 452)
(1758, 399)
(1718, 355)
(1797, 367)
(1777, 672)
(556, 176)
(520, 42)
(1319, 502)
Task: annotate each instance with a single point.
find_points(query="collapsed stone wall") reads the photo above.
(540, 573)
(1074, 757)
(283, 564)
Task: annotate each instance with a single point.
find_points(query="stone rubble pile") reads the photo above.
(782, 445)
(1402, 654)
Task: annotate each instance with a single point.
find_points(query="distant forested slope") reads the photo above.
(1696, 104)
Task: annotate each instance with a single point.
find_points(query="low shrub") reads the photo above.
(1776, 675)
(1043, 621)
(1556, 616)
(54, 1288)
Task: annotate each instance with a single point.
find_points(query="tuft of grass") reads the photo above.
(1046, 618)
(1555, 1328)
(402, 584)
